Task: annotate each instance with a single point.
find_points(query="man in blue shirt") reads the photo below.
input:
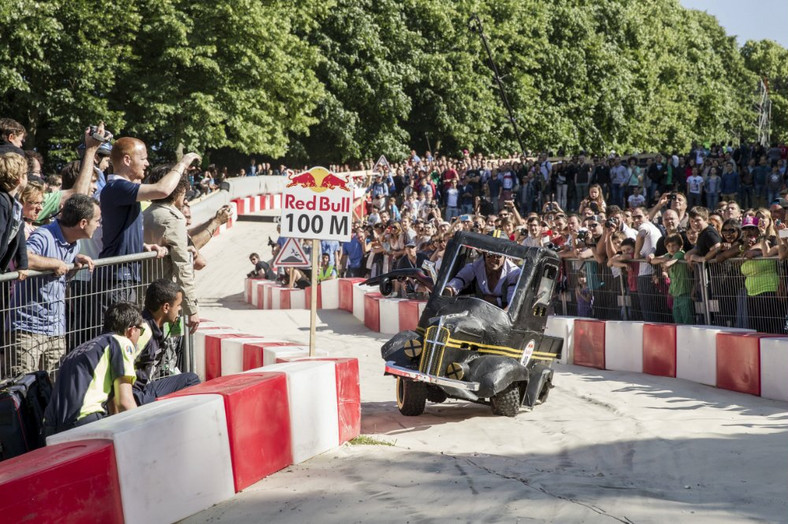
(38, 309)
(353, 254)
(122, 216)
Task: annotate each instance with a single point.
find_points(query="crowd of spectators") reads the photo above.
(107, 204)
(633, 232)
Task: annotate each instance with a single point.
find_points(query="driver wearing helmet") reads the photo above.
(495, 278)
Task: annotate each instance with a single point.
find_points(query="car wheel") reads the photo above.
(507, 402)
(545, 391)
(411, 397)
(435, 394)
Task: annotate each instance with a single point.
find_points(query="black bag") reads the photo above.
(22, 404)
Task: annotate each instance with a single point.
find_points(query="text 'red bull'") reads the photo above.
(318, 203)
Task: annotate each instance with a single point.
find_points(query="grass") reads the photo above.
(366, 440)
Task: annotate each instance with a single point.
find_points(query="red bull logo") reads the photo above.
(318, 179)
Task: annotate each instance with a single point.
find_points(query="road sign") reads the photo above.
(317, 204)
(382, 165)
(291, 255)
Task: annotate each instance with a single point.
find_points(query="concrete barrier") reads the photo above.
(739, 361)
(563, 327)
(258, 423)
(774, 368)
(69, 482)
(389, 315)
(173, 456)
(589, 343)
(312, 396)
(659, 349)
(696, 352)
(624, 346)
(232, 353)
(359, 305)
(198, 345)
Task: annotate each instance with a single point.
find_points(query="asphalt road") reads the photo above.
(606, 447)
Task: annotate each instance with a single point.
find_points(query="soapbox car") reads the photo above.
(467, 347)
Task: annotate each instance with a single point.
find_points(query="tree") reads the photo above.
(769, 60)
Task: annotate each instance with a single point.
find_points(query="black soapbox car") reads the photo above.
(466, 347)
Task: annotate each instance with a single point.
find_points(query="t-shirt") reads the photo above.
(121, 218)
(680, 282)
(86, 379)
(650, 235)
(695, 183)
(707, 239)
(636, 200)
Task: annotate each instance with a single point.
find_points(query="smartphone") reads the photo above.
(783, 233)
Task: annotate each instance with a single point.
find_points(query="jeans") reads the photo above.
(711, 200)
(617, 195)
(163, 386)
(452, 212)
(745, 196)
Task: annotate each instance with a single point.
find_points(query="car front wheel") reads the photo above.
(411, 397)
(507, 402)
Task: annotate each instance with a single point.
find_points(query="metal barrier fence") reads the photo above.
(45, 316)
(735, 293)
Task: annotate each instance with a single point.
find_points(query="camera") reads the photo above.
(271, 243)
(672, 197)
(106, 137)
(582, 235)
(611, 223)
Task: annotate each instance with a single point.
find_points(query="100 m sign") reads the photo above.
(306, 224)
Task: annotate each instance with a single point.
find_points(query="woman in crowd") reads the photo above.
(764, 312)
(13, 245)
(726, 279)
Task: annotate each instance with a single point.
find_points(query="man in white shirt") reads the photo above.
(534, 238)
(652, 302)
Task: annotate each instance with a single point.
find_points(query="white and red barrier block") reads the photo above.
(739, 361)
(696, 352)
(563, 327)
(314, 413)
(69, 482)
(659, 349)
(624, 346)
(359, 304)
(173, 456)
(774, 368)
(346, 293)
(198, 344)
(258, 422)
(233, 352)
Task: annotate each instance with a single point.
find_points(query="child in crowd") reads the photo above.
(624, 260)
(680, 280)
(585, 300)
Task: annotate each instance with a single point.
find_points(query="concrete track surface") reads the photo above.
(606, 447)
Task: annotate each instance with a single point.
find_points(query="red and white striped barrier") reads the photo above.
(258, 423)
(69, 482)
(156, 446)
(774, 363)
(696, 352)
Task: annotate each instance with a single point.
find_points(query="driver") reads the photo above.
(495, 277)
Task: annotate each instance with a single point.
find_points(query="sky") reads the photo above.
(748, 19)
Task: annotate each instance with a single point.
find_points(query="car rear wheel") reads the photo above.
(507, 402)
(411, 397)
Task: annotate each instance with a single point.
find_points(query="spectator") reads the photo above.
(657, 174)
(38, 310)
(636, 199)
(583, 296)
(652, 304)
(165, 225)
(261, 269)
(729, 185)
(764, 312)
(695, 188)
(535, 238)
(708, 238)
(120, 204)
(353, 253)
(13, 177)
(774, 183)
(680, 280)
(326, 271)
(158, 345)
(99, 372)
(12, 137)
(712, 187)
(452, 195)
(34, 163)
(619, 180)
(32, 199)
(594, 201)
(53, 183)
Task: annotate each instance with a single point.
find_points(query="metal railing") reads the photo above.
(43, 316)
(738, 292)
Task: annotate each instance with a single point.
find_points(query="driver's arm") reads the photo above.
(462, 280)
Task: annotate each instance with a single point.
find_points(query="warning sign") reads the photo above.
(381, 166)
(291, 255)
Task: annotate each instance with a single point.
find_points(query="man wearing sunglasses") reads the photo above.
(493, 275)
(95, 379)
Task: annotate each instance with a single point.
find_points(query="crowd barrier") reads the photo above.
(725, 357)
(264, 406)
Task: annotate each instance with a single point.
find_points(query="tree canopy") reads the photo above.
(342, 80)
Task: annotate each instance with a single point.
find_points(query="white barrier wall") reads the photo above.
(563, 327)
(329, 291)
(173, 456)
(389, 315)
(774, 368)
(624, 346)
(198, 341)
(358, 299)
(233, 353)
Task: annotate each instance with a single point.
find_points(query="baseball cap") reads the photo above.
(749, 222)
(410, 243)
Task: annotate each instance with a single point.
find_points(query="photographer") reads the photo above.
(675, 201)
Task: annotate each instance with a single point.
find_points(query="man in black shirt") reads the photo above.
(709, 239)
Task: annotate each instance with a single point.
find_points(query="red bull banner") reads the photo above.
(317, 204)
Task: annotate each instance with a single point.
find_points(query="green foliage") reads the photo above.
(323, 82)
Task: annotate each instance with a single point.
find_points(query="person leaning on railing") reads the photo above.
(765, 313)
(165, 225)
(13, 177)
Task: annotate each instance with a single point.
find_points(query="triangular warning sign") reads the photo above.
(382, 165)
(291, 255)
